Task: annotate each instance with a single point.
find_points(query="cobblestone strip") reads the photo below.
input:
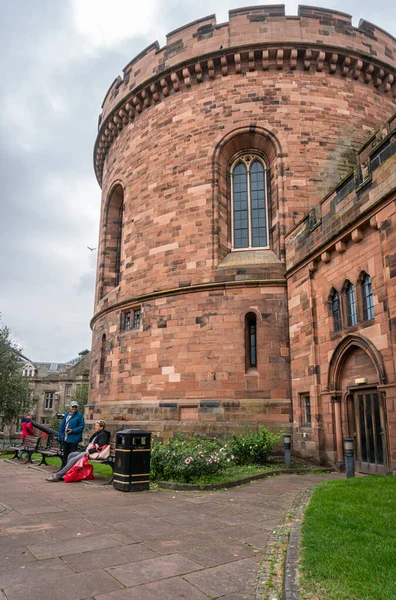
(277, 577)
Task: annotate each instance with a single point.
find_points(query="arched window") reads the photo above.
(350, 304)
(249, 203)
(102, 358)
(112, 243)
(367, 298)
(336, 310)
(250, 341)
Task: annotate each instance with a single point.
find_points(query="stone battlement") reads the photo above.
(254, 38)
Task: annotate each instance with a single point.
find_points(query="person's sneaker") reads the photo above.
(52, 478)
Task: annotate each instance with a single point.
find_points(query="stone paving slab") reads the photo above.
(175, 588)
(32, 572)
(53, 549)
(150, 545)
(233, 577)
(89, 561)
(152, 569)
(73, 587)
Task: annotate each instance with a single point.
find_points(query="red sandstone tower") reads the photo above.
(209, 151)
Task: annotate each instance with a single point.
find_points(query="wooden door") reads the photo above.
(370, 434)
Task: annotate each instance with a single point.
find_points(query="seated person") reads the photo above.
(98, 439)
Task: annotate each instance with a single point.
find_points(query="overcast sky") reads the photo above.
(58, 58)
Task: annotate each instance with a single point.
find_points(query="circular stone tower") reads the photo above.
(209, 150)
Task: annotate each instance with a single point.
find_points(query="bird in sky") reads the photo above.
(89, 248)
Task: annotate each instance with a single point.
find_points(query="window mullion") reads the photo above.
(249, 208)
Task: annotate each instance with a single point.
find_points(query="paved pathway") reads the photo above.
(77, 541)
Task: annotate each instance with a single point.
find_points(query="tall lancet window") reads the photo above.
(249, 203)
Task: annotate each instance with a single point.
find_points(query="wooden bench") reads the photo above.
(108, 461)
(52, 450)
(29, 445)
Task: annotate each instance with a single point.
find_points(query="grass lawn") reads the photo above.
(102, 470)
(348, 549)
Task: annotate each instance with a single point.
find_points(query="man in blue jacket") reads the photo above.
(70, 430)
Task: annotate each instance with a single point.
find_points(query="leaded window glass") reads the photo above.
(367, 296)
(336, 310)
(351, 305)
(249, 204)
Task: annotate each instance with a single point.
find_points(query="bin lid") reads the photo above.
(139, 432)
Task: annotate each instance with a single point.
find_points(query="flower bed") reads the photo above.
(191, 459)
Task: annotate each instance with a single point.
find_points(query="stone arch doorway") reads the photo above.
(356, 373)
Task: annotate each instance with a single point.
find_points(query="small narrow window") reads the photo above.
(126, 325)
(351, 305)
(251, 341)
(102, 358)
(136, 318)
(367, 296)
(336, 311)
(305, 407)
(131, 319)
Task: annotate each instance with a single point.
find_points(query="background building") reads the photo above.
(52, 385)
(210, 153)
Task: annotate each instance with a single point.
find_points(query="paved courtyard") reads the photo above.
(78, 541)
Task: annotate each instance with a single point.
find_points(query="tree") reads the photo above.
(80, 395)
(14, 392)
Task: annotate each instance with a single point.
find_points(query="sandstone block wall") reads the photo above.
(168, 133)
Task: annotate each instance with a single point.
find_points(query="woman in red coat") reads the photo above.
(27, 429)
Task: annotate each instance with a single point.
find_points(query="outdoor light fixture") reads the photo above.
(349, 458)
(287, 447)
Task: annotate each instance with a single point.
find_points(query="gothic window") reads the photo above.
(336, 310)
(112, 244)
(250, 341)
(367, 298)
(350, 304)
(249, 203)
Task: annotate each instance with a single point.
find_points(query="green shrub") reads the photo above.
(183, 460)
(253, 447)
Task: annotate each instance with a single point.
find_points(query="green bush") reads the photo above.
(183, 460)
(253, 447)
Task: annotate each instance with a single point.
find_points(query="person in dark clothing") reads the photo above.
(98, 439)
(70, 430)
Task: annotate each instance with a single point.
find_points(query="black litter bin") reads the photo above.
(132, 460)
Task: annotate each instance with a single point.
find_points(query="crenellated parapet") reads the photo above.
(260, 38)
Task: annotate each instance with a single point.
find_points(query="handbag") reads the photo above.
(81, 470)
(102, 455)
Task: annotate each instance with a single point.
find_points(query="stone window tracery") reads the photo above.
(249, 207)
